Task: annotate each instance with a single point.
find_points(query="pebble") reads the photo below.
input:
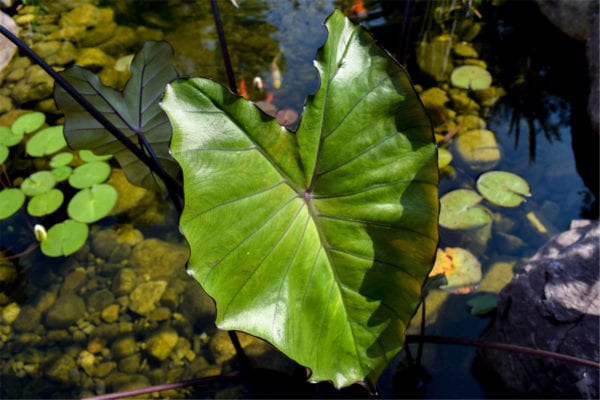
(161, 343)
(145, 296)
(110, 314)
(10, 312)
(65, 311)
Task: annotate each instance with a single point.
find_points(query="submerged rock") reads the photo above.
(553, 304)
(65, 311)
(160, 344)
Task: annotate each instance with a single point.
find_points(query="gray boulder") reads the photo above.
(552, 303)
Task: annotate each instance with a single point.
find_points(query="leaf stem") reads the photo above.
(224, 51)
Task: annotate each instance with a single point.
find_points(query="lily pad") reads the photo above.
(8, 138)
(89, 156)
(92, 204)
(45, 142)
(503, 188)
(478, 148)
(460, 267)
(89, 174)
(38, 183)
(471, 77)
(62, 173)
(444, 157)
(11, 199)
(45, 203)
(483, 303)
(460, 209)
(61, 159)
(64, 238)
(28, 123)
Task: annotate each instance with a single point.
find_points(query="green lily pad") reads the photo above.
(62, 173)
(503, 188)
(89, 156)
(38, 183)
(8, 137)
(444, 157)
(89, 174)
(46, 141)
(471, 77)
(92, 204)
(11, 200)
(478, 148)
(64, 238)
(4, 153)
(45, 203)
(483, 303)
(61, 159)
(28, 123)
(460, 209)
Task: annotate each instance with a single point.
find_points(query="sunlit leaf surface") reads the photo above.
(319, 241)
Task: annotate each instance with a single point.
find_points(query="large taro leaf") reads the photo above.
(319, 241)
(135, 112)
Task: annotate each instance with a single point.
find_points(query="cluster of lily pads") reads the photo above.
(42, 190)
(457, 104)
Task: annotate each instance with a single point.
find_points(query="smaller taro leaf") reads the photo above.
(92, 204)
(503, 188)
(38, 183)
(4, 153)
(65, 238)
(46, 141)
(45, 203)
(28, 123)
(8, 137)
(11, 200)
(460, 209)
(135, 112)
(89, 156)
(61, 159)
(62, 173)
(89, 174)
(483, 303)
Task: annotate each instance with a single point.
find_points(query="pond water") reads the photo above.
(99, 346)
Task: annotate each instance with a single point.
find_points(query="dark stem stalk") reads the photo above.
(174, 188)
(224, 51)
(500, 346)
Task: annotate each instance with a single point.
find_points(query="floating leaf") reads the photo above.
(89, 174)
(92, 204)
(38, 183)
(11, 199)
(135, 112)
(61, 159)
(89, 156)
(503, 188)
(28, 123)
(64, 238)
(8, 138)
(460, 209)
(62, 173)
(4, 153)
(444, 157)
(470, 77)
(483, 303)
(45, 203)
(461, 269)
(319, 241)
(478, 148)
(45, 142)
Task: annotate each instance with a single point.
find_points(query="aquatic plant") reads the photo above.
(92, 202)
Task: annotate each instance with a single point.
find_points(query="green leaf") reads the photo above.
(28, 123)
(38, 183)
(62, 173)
(4, 153)
(8, 138)
(319, 241)
(64, 238)
(89, 156)
(11, 199)
(135, 111)
(460, 209)
(61, 159)
(483, 303)
(503, 188)
(89, 174)
(45, 142)
(45, 203)
(92, 204)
